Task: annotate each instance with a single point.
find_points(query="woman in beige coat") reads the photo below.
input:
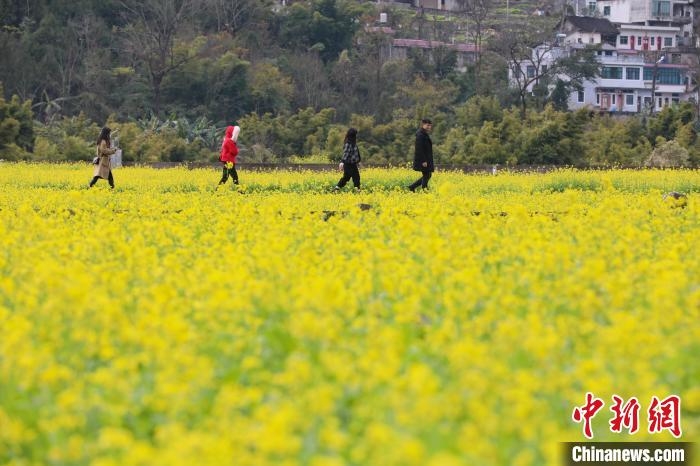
(103, 168)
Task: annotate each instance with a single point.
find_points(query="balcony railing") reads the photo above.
(682, 19)
(622, 59)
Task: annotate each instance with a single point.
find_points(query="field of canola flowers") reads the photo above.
(168, 323)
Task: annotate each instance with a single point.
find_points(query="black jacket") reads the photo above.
(424, 152)
(351, 154)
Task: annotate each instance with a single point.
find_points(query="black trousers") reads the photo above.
(232, 172)
(110, 179)
(350, 170)
(423, 181)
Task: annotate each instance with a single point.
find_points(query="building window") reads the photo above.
(608, 53)
(661, 8)
(581, 97)
(597, 99)
(613, 99)
(544, 69)
(648, 74)
(668, 76)
(668, 41)
(530, 71)
(591, 8)
(632, 73)
(590, 40)
(611, 72)
(639, 40)
(579, 40)
(606, 11)
(623, 40)
(652, 41)
(629, 99)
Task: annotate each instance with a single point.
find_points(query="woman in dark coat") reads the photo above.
(423, 158)
(103, 167)
(350, 161)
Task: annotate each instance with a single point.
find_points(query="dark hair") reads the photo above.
(104, 135)
(351, 137)
(425, 121)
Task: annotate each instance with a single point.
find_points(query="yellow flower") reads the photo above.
(161, 324)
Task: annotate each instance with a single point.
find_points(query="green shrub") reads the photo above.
(75, 149)
(668, 154)
(44, 149)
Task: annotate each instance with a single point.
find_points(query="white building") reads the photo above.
(625, 83)
(588, 30)
(639, 37)
(670, 13)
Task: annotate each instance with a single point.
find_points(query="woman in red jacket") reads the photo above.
(229, 152)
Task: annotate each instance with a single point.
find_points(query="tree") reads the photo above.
(320, 25)
(668, 154)
(150, 37)
(270, 89)
(369, 64)
(16, 127)
(478, 110)
(478, 12)
(560, 96)
(344, 79)
(425, 99)
(312, 86)
(234, 15)
(534, 59)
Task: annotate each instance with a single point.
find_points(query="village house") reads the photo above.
(636, 58)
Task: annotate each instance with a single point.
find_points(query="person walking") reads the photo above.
(103, 167)
(229, 152)
(423, 158)
(350, 161)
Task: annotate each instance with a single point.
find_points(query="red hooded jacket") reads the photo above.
(229, 150)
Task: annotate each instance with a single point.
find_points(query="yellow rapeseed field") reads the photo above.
(169, 323)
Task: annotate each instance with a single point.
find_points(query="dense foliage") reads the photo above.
(171, 74)
(478, 132)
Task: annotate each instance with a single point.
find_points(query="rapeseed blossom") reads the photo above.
(169, 322)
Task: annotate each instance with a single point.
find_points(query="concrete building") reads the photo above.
(588, 30)
(669, 13)
(626, 80)
(640, 37)
(465, 53)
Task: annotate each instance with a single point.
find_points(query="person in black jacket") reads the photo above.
(350, 161)
(423, 159)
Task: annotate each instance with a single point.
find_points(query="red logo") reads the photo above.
(626, 416)
(587, 412)
(662, 415)
(665, 415)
